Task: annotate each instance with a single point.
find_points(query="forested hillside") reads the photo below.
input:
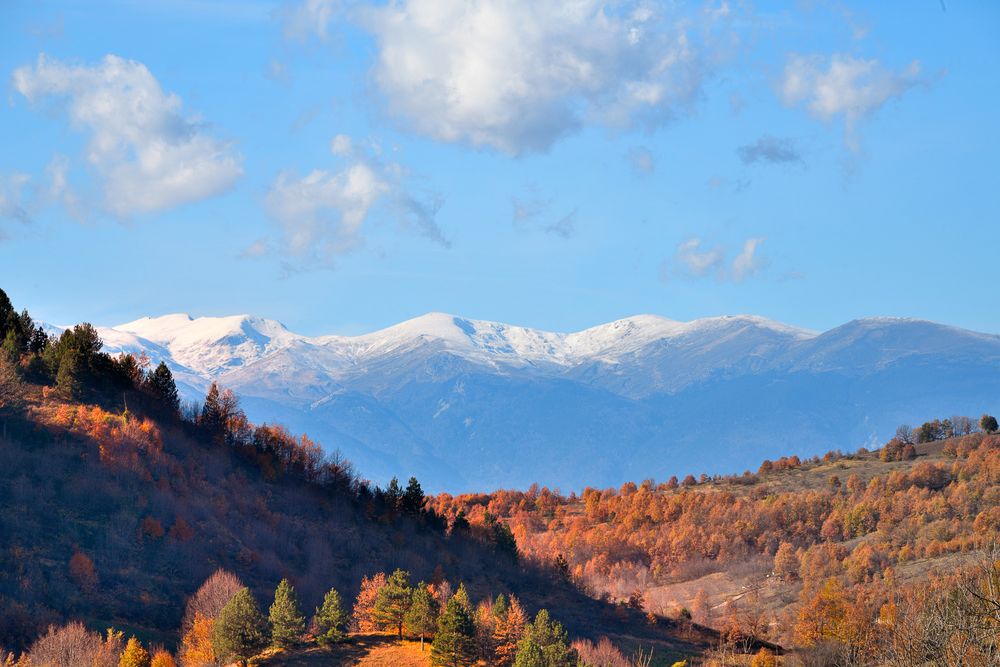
(115, 507)
(815, 554)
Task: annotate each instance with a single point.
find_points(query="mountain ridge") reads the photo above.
(473, 405)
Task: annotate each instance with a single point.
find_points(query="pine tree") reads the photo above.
(134, 655)
(287, 621)
(330, 620)
(68, 377)
(545, 644)
(240, 631)
(164, 390)
(454, 644)
(421, 618)
(393, 602)
(412, 502)
(211, 412)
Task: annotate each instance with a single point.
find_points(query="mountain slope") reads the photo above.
(470, 404)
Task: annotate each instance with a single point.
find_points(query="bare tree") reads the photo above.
(904, 433)
(73, 645)
(213, 595)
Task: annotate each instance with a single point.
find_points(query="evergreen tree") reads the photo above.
(211, 412)
(393, 602)
(287, 621)
(412, 502)
(240, 631)
(545, 644)
(454, 644)
(421, 617)
(68, 376)
(393, 495)
(134, 655)
(330, 620)
(164, 390)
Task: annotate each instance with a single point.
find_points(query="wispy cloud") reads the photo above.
(642, 160)
(147, 154)
(532, 211)
(323, 214)
(770, 149)
(694, 258)
(844, 86)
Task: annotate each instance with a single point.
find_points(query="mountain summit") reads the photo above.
(473, 404)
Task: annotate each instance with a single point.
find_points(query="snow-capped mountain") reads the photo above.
(469, 404)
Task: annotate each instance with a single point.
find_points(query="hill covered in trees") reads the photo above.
(115, 506)
(839, 556)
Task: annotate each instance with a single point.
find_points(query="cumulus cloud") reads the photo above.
(642, 160)
(323, 214)
(147, 154)
(516, 75)
(694, 258)
(844, 86)
(770, 149)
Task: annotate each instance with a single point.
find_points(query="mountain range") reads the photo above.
(475, 405)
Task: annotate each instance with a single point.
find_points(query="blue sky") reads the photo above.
(341, 166)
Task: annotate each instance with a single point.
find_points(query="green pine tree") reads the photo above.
(421, 618)
(412, 501)
(68, 377)
(330, 620)
(545, 644)
(454, 644)
(393, 602)
(164, 390)
(240, 631)
(287, 621)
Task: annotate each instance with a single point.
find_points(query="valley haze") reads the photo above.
(475, 405)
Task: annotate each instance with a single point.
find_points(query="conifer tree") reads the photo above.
(240, 631)
(68, 376)
(412, 502)
(454, 644)
(287, 621)
(393, 602)
(211, 411)
(421, 618)
(134, 655)
(164, 390)
(545, 644)
(330, 620)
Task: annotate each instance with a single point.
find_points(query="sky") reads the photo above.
(342, 166)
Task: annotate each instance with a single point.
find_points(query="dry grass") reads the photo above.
(366, 650)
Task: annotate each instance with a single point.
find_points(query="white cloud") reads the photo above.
(324, 213)
(693, 258)
(697, 260)
(148, 155)
(532, 211)
(748, 263)
(342, 145)
(310, 18)
(849, 87)
(516, 75)
(770, 149)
